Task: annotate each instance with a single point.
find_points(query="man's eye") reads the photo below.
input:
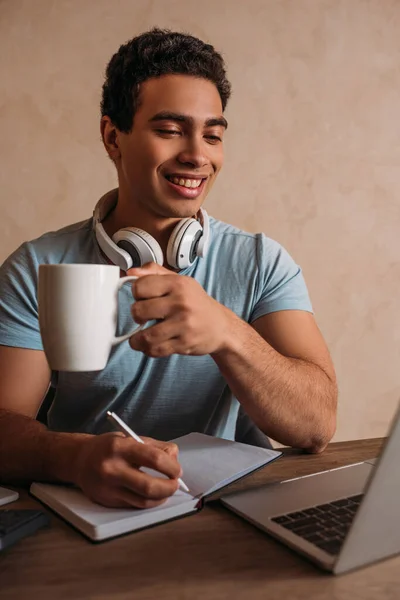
(168, 131)
(214, 139)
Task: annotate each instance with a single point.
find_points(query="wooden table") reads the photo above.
(209, 555)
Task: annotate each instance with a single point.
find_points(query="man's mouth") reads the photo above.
(186, 187)
(187, 183)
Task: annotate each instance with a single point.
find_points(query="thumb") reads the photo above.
(148, 269)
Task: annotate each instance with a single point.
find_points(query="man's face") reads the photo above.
(171, 158)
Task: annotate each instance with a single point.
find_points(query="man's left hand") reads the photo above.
(189, 320)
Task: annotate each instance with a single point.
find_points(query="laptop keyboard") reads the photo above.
(325, 525)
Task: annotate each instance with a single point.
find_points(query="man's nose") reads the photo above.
(194, 153)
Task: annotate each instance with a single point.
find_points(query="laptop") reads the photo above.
(340, 519)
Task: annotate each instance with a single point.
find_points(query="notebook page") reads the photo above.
(209, 463)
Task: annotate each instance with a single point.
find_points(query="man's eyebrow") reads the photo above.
(217, 121)
(181, 118)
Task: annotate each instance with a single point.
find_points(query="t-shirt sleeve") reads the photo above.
(281, 284)
(19, 322)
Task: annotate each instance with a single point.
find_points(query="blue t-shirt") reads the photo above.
(166, 397)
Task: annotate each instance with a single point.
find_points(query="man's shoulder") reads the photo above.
(221, 229)
(70, 243)
(73, 243)
(224, 235)
(75, 230)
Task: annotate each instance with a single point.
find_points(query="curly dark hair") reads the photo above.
(153, 54)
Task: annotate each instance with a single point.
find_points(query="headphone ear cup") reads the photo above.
(140, 245)
(183, 242)
(116, 255)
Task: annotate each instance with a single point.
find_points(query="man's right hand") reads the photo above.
(107, 470)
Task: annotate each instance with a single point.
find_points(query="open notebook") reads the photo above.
(208, 464)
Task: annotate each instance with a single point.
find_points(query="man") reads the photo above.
(231, 347)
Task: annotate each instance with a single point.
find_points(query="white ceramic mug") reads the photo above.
(78, 308)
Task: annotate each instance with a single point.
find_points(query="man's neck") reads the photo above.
(132, 214)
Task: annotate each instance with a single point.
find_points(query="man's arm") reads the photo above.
(279, 368)
(281, 371)
(104, 466)
(28, 450)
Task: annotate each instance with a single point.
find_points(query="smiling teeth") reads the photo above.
(188, 183)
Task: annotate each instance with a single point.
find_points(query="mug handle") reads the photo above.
(121, 338)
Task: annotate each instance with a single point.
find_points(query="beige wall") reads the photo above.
(313, 149)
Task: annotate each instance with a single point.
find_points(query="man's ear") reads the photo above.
(109, 135)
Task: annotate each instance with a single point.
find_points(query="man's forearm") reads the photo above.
(30, 452)
(290, 400)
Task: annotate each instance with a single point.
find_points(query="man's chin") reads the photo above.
(179, 209)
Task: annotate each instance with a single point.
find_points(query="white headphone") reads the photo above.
(132, 247)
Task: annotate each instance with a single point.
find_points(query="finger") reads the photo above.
(163, 339)
(166, 348)
(151, 268)
(148, 455)
(145, 484)
(171, 346)
(163, 350)
(153, 286)
(147, 339)
(153, 308)
(169, 447)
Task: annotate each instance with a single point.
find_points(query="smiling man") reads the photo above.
(231, 347)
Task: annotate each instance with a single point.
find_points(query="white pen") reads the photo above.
(128, 431)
